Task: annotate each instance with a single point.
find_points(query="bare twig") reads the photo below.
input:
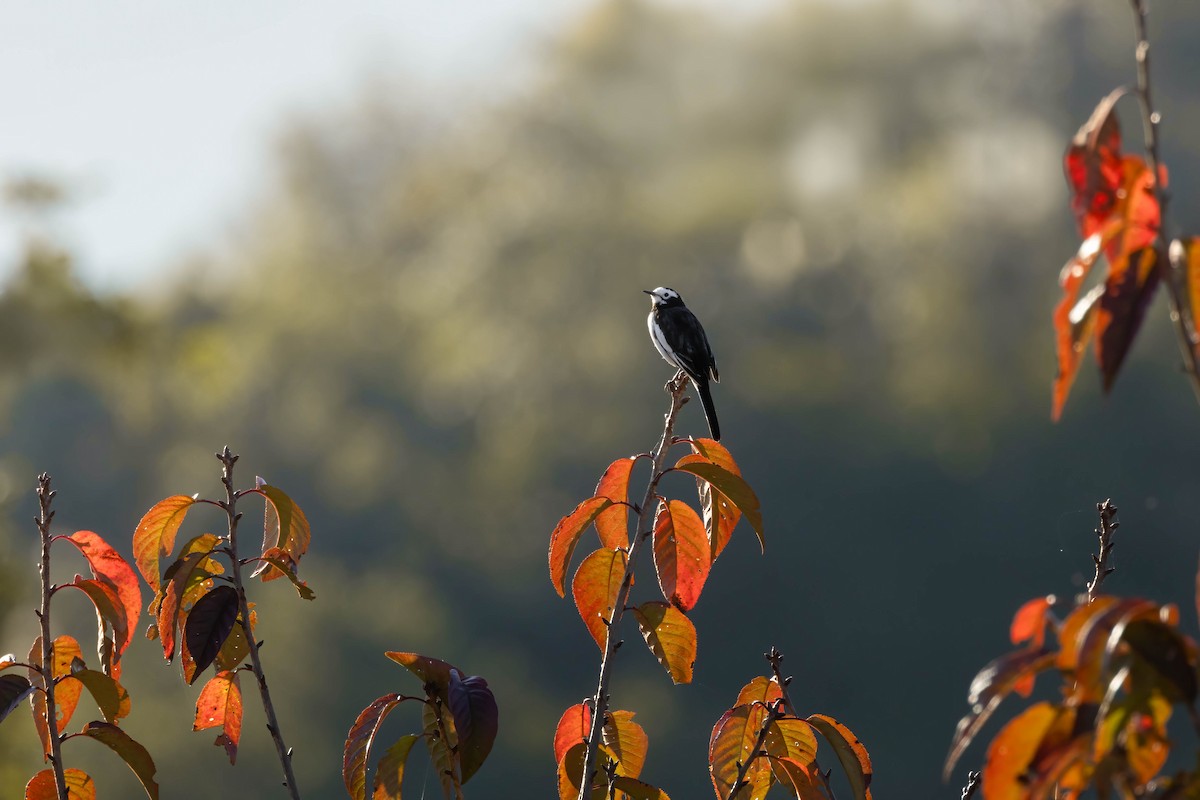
(599, 701)
(45, 515)
(775, 659)
(1108, 527)
(227, 460)
(1167, 265)
(774, 712)
(972, 785)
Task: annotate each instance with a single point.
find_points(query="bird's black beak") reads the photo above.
(647, 291)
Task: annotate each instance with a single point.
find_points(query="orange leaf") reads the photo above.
(1074, 322)
(1185, 255)
(181, 576)
(681, 553)
(109, 567)
(732, 743)
(132, 753)
(64, 651)
(720, 515)
(798, 778)
(850, 752)
(1084, 637)
(1012, 751)
(731, 486)
(155, 535)
(634, 789)
(42, 786)
(566, 535)
(441, 740)
(612, 524)
(432, 672)
(574, 726)
(791, 739)
(626, 741)
(1029, 623)
(671, 636)
(110, 613)
(358, 743)
(110, 696)
(389, 775)
(570, 772)
(595, 587)
(284, 526)
(760, 690)
(220, 706)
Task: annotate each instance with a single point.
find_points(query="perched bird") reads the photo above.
(680, 340)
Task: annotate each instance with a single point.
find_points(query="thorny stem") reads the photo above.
(773, 713)
(45, 498)
(972, 785)
(227, 460)
(775, 659)
(599, 701)
(1167, 260)
(1108, 526)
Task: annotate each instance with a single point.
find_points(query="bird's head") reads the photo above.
(663, 296)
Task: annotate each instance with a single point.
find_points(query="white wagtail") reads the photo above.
(680, 340)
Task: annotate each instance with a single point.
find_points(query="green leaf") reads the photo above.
(110, 696)
(131, 752)
(389, 775)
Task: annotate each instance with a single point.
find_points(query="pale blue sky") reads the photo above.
(161, 114)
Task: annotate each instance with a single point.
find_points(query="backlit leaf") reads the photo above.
(1185, 255)
(732, 743)
(612, 524)
(110, 568)
(1012, 752)
(993, 683)
(284, 567)
(13, 691)
(671, 636)
(284, 526)
(181, 576)
(208, 625)
(42, 786)
(595, 588)
(442, 741)
(1128, 290)
(130, 752)
(220, 706)
(798, 778)
(236, 648)
(760, 690)
(681, 553)
(856, 763)
(1074, 320)
(1029, 623)
(1164, 651)
(358, 743)
(389, 775)
(110, 611)
(155, 535)
(431, 671)
(64, 651)
(574, 726)
(792, 739)
(110, 696)
(1093, 166)
(638, 790)
(566, 535)
(720, 516)
(570, 771)
(730, 485)
(626, 740)
(476, 719)
(1085, 655)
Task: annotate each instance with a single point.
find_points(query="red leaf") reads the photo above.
(1093, 166)
(109, 567)
(612, 524)
(681, 553)
(671, 636)
(574, 726)
(1029, 623)
(566, 535)
(220, 706)
(358, 743)
(130, 752)
(155, 535)
(110, 613)
(595, 588)
(1074, 321)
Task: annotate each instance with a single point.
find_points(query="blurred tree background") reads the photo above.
(431, 333)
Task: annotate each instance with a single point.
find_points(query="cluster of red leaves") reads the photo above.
(113, 591)
(1114, 200)
(685, 545)
(199, 614)
(762, 740)
(458, 742)
(1123, 666)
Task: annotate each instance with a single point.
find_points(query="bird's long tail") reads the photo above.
(710, 411)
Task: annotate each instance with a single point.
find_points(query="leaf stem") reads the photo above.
(45, 515)
(675, 388)
(1165, 263)
(228, 459)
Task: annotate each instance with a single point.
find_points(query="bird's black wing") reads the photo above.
(686, 334)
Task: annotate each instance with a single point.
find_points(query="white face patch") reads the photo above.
(662, 294)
